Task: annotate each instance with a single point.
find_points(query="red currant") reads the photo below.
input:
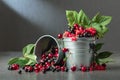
(66, 34)
(65, 50)
(60, 36)
(50, 55)
(63, 68)
(83, 68)
(76, 26)
(73, 68)
(74, 39)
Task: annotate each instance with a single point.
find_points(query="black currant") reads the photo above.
(20, 72)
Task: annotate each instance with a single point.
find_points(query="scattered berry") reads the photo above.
(20, 72)
(73, 68)
(65, 50)
(60, 36)
(83, 68)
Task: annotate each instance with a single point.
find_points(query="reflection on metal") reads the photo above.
(80, 51)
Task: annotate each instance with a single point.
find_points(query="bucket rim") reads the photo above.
(48, 36)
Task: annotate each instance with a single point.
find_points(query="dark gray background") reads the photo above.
(24, 21)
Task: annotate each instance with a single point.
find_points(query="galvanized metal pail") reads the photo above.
(44, 43)
(79, 51)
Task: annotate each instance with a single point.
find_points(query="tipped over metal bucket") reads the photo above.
(44, 43)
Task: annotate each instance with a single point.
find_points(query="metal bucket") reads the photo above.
(44, 43)
(79, 52)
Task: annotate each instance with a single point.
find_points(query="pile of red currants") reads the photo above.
(77, 32)
(48, 60)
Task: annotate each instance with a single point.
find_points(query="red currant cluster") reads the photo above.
(78, 31)
(93, 66)
(47, 62)
(13, 67)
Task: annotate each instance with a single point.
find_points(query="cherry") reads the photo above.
(73, 68)
(60, 36)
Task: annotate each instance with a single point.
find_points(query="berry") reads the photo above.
(92, 45)
(83, 68)
(74, 39)
(73, 68)
(55, 55)
(92, 31)
(14, 67)
(30, 69)
(65, 50)
(104, 65)
(76, 26)
(43, 56)
(20, 72)
(56, 50)
(60, 36)
(63, 68)
(78, 32)
(87, 34)
(91, 69)
(36, 69)
(66, 34)
(81, 28)
(36, 65)
(50, 55)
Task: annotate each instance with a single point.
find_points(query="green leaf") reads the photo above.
(31, 57)
(97, 27)
(83, 19)
(104, 29)
(97, 60)
(104, 54)
(30, 62)
(98, 46)
(29, 49)
(105, 60)
(75, 17)
(21, 61)
(70, 17)
(96, 18)
(105, 20)
(102, 20)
